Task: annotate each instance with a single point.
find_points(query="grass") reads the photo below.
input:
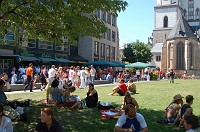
(153, 98)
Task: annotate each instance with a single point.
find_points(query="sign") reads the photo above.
(27, 53)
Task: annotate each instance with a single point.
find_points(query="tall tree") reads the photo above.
(53, 19)
(137, 52)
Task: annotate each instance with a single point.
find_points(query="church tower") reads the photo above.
(166, 14)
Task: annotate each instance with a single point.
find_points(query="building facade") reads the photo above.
(106, 48)
(176, 26)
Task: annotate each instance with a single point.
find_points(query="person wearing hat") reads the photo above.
(173, 108)
(186, 110)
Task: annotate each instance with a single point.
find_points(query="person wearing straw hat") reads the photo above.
(172, 110)
(186, 110)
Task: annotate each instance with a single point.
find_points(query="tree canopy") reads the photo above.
(137, 52)
(54, 19)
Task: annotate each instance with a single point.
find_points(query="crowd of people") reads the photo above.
(59, 83)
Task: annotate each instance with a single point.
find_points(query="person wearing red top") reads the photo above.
(121, 89)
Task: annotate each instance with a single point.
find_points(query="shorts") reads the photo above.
(120, 92)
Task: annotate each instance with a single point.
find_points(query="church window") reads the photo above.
(191, 9)
(191, 55)
(197, 14)
(165, 22)
(158, 58)
(180, 65)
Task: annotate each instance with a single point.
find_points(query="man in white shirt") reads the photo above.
(71, 75)
(51, 75)
(131, 121)
(93, 73)
(5, 122)
(82, 77)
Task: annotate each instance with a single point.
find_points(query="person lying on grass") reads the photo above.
(48, 123)
(121, 89)
(131, 121)
(91, 97)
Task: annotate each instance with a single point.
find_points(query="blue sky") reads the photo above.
(137, 21)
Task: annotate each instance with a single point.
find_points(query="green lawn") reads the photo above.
(153, 98)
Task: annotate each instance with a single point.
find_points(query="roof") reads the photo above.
(157, 48)
(181, 30)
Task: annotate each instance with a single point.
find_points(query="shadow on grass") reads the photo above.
(86, 120)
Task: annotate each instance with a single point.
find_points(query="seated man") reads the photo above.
(131, 121)
(121, 89)
(186, 110)
(131, 87)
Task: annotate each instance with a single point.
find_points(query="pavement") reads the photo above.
(38, 90)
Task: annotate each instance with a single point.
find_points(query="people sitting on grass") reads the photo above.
(72, 101)
(131, 121)
(191, 123)
(48, 123)
(91, 98)
(131, 87)
(5, 122)
(128, 99)
(53, 93)
(121, 89)
(172, 110)
(185, 110)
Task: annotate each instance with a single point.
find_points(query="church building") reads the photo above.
(176, 28)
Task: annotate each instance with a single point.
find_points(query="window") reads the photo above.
(96, 48)
(109, 35)
(31, 43)
(191, 9)
(191, 54)
(165, 22)
(45, 45)
(185, 14)
(180, 65)
(97, 12)
(158, 58)
(108, 18)
(197, 14)
(113, 54)
(103, 16)
(113, 36)
(59, 48)
(104, 35)
(107, 51)
(102, 49)
(113, 21)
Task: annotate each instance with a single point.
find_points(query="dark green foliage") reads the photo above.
(137, 52)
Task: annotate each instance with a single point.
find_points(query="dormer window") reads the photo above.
(165, 22)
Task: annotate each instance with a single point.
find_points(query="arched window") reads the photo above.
(197, 14)
(165, 22)
(191, 55)
(185, 14)
(191, 9)
(180, 63)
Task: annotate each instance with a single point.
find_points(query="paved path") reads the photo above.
(38, 90)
